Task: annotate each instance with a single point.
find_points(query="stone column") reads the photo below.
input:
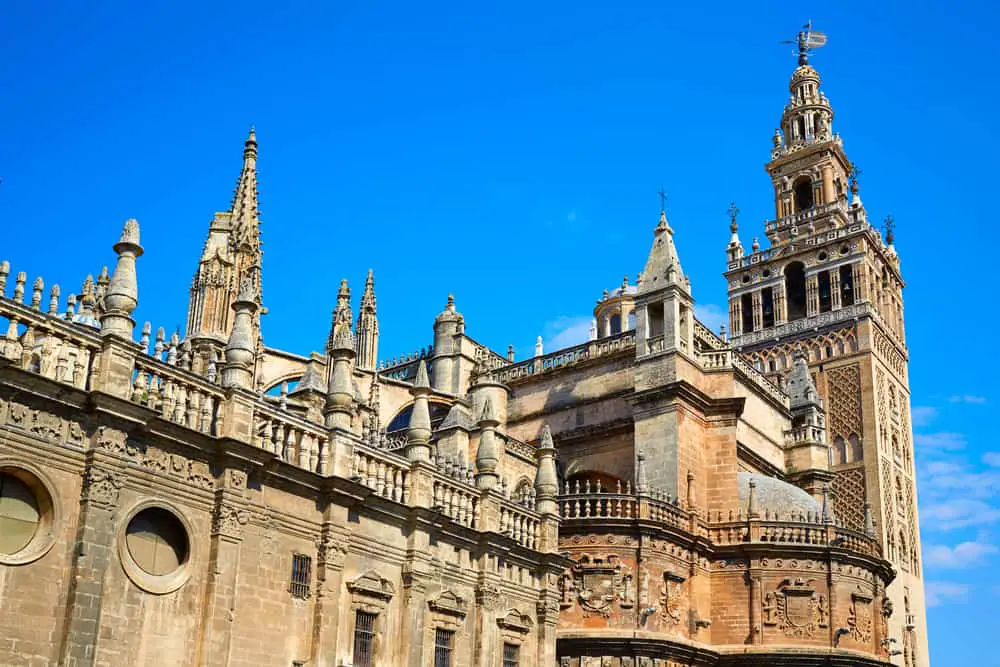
(735, 316)
(812, 295)
(829, 194)
(488, 595)
(416, 574)
(835, 289)
(758, 311)
(780, 308)
(229, 519)
(332, 549)
(547, 610)
(93, 552)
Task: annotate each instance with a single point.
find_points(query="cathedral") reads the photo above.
(662, 495)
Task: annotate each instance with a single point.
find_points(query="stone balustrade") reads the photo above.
(457, 501)
(563, 358)
(519, 523)
(804, 433)
(385, 473)
(291, 438)
(179, 396)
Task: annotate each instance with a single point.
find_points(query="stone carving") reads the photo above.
(199, 474)
(18, 414)
(101, 487)
(859, 617)
(238, 479)
(599, 582)
(111, 439)
(76, 433)
(672, 598)
(331, 549)
(488, 596)
(372, 585)
(450, 604)
(566, 591)
(515, 621)
(796, 609)
(229, 521)
(46, 425)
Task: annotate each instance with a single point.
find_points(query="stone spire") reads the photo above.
(488, 452)
(546, 478)
(663, 267)
(418, 434)
(367, 327)
(122, 293)
(340, 327)
(800, 386)
(238, 371)
(340, 349)
(231, 254)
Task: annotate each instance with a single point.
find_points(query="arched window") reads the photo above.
(846, 285)
(795, 290)
(803, 190)
(857, 452)
(839, 451)
(746, 307)
(767, 306)
(616, 324)
(631, 321)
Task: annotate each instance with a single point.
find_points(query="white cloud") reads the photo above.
(937, 593)
(711, 315)
(966, 554)
(992, 459)
(922, 415)
(939, 441)
(952, 514)
(966, 398)
(565, 332)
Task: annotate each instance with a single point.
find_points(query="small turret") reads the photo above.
(238, 371)
(488, 452)
(448, 329)
(340, 351)
(418, 434)
(367, 327)
(546, 477)
(122, 292)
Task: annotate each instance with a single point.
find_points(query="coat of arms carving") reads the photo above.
(672, 597)
(860, 618)
(600, 582)
(796, 609)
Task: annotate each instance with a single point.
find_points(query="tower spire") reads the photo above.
(367, 327)
(231, 256)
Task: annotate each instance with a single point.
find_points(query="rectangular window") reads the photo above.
(767, 306)
(444, 641)
(364, 634)
(301, 576)
(511, 655)
(823, 284)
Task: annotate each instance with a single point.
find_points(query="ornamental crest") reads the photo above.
(859, 618)
(672, 597)
(599, 582)
(796, 609)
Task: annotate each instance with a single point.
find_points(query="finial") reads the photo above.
(807, 40)
(510, 353)
(662, 194)
(539, 349)
(889, 225)
(121, 294)
(451, 303)
(624, 283)
(733, 212)
(755, 246)
(421, 381)
(252, 137)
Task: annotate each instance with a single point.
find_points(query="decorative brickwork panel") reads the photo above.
(849, 497)
(888, 509)
(844, 401)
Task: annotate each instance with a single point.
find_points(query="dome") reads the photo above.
(776, 497)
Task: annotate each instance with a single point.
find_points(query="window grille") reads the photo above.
(364, 634)
(301, 576)
(444, 641)
(511, 655)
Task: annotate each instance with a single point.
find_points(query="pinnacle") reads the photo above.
(422, 382)
(545, 442)
(487, 413)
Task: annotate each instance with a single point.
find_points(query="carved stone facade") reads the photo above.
(659, 496)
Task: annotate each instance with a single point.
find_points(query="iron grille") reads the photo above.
(301, 576)
(511, 655)
(364, 633)
(443, 643)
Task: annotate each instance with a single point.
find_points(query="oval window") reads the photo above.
(19, 515)
(157, 541)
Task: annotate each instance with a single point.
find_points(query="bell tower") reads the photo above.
(828, 290)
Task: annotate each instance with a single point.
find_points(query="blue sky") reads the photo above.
(510, 153)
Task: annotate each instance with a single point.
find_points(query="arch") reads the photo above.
(401, 421)
(616, 324)
(839, 451)
(523, 490)
(608, 483)
(795, 290)
(856, 451)
(802, 188)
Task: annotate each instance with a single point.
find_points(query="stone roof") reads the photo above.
(775, 496)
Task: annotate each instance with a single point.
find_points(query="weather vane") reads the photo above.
(733, 211)
(807, 40)
(852, 175)
(663, 199)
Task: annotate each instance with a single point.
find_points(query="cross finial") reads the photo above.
(733, 211)
(853, 174)
(889, 225)
(663, 200)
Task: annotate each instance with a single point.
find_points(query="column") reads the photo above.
(735, 317)
(812, 295)
(829, 195)
(835, 289)
(229, 519)
(95, 541)
(780, 310)
(857, 278)
(331, 554)
(758, 311)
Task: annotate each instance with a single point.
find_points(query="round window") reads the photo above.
(766, 273)
(822, 257)
(746, 279)
(844, 250)
(19, 515)
(157, 541)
